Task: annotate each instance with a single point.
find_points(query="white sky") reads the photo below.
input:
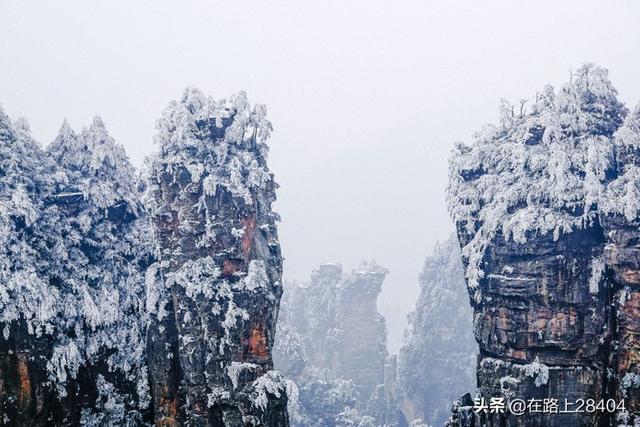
(366, 97)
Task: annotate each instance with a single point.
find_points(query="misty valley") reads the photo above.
(155, 295)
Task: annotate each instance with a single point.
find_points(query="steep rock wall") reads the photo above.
(138, 300)
(216, 287)
(545, 205)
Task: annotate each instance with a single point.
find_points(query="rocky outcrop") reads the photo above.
(332, 344)
(215, 290)
(545, 207)
(359, 349)
(541, 310)
(437, 358)
(127, 301)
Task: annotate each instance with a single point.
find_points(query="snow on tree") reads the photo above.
(29, 306)
(98, 261)
(545, 205)
(94, 289)
(350, 417)
(24, 292)
(540, 170)
(623, 193)
(71, 284)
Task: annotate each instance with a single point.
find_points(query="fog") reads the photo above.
(366, 98)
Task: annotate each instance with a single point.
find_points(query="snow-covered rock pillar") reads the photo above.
(527, 199)
(213, 297)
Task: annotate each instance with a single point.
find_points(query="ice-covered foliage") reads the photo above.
(271, 383)
(73, 256)
(541, 169)
(623, 193)
(110, 408)
(538, 371)
(218, 269)
(99, 256)
(24, 291)
(437, 360)
(350, 417)
(87, 270)
(183, 136)
(221, 145)
(322, 401)
(93, 164)
(629, 381)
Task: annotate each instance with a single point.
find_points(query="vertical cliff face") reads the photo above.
(621, 224)
(332, 345)
(312, 313)
(437, 359)
(115, 315)
(549, 253)
(213, 295)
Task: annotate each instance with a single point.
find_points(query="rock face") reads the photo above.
(214, 293)
(359, 339)
(437, 359)
(332, 344)
(545, 205)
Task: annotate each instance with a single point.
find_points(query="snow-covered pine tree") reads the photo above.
(622, 195)
(620, 219)
(210, 200)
